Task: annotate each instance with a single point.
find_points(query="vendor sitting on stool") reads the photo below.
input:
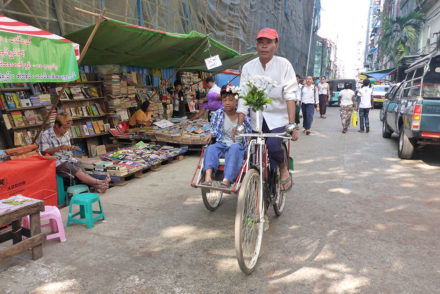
(142, 117)
(222, 123)
(56, 142)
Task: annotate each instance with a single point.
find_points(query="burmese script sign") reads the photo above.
(26, 58)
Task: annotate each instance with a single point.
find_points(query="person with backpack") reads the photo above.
(309, 101)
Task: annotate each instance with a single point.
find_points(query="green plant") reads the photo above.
(400, 35)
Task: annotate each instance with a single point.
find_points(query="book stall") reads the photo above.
(181, 133)
(131, 160)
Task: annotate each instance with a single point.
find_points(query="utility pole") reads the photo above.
(311, 35)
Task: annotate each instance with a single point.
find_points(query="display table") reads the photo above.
(12, 210)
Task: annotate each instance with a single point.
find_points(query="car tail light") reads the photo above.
(417, 116)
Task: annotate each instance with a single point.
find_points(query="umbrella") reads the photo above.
(29, 54)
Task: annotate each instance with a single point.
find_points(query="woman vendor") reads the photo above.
(142, 117)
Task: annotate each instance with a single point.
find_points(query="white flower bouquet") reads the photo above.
(258, 91)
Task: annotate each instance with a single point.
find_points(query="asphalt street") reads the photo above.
(359, 220)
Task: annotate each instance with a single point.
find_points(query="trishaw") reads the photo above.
(257, 186)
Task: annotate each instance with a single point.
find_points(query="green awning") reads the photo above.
(121, 43)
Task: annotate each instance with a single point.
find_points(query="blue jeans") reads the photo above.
(363, 118)
(234, 155)
(308, 111)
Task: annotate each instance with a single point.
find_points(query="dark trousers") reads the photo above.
(308, 111)
(323, 103)
(363, 118)
(274, 148)
(297, 110)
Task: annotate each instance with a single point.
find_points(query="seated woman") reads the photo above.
(142, 117)
(223, 122)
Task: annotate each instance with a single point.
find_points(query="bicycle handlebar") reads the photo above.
(267, 135)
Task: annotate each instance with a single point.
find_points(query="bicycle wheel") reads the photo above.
(248, 228)
(280, 197)
(211, 198)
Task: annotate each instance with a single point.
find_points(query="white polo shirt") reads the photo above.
(280, 70)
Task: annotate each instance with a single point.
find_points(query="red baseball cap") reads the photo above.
(268, 33)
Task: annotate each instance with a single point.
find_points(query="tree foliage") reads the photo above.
(400, 35)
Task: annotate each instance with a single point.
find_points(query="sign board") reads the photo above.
(26, 59)
(213, 62)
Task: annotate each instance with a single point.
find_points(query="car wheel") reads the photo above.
(406, 147)
(386, 132)
(381, 114)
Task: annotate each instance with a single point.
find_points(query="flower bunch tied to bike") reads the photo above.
(258, 92)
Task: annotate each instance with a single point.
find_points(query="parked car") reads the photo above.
(378, 94)
(413, 109)
(337, 86)
(391, 91)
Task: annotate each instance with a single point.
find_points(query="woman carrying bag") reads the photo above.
(346, 102)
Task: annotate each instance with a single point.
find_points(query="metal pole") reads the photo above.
(311, 35)
(140, 13)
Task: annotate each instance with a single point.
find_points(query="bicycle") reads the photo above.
(260, 188)
(257, 188)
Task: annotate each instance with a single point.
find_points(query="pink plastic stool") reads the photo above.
(51, 213)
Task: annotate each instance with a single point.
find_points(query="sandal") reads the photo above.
(285, 182)
(223, 185)
(206, 183)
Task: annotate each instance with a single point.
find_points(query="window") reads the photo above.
(414, 91)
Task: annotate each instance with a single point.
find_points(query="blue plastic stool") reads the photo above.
(85, 202)
(74, 190)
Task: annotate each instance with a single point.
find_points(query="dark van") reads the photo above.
(413, 109)
(337, 86)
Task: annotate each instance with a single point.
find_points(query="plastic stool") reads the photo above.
(85, 202)
(76, 189)
(51, 213)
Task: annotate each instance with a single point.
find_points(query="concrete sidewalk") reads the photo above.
(359, 220)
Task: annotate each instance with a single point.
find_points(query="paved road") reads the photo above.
(358, 221)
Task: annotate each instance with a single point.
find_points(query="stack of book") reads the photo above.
(35, 100)
(124, 88)
(112, 84)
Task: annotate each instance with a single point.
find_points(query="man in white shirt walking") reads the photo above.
(309, 100)
(282, 110)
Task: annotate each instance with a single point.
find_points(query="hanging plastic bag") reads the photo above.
(354, 118)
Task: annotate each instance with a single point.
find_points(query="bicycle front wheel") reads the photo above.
(248, 224)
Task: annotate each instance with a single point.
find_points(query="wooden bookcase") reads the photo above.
(89, 114)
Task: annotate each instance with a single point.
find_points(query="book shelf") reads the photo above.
(22, 114)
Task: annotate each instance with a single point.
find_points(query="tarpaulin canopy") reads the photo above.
(380, 74)
(29, 54)
(121, 43)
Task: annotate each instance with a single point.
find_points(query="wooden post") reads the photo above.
(81, 57)
(35, 228)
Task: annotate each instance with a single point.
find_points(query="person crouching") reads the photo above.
(223, 121)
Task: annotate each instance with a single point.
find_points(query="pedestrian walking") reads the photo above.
(365, 103)
(298, 101)
(309, 101)
(324, 96)
(346, 102)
